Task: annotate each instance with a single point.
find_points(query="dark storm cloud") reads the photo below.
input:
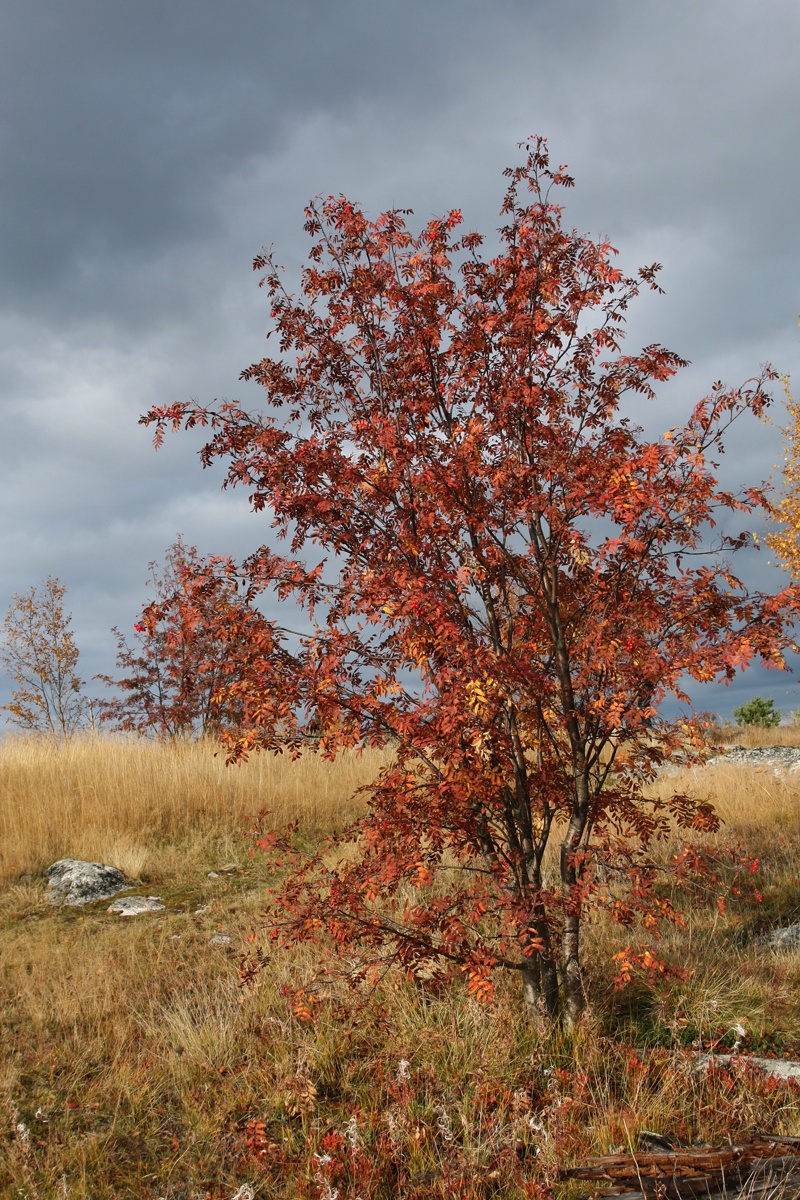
(123, 121)
(147, 151)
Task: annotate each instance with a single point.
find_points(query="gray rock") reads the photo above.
(132, 906)
(219, 939)
(73, 883)
(785, 758)
(775, 1068)
(785, 939)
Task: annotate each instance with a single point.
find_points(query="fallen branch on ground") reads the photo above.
(758, 1166)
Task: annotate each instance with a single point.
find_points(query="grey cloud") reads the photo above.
(122, 123)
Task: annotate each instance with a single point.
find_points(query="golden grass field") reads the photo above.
(133, 1065)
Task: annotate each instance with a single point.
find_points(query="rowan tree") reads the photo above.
(39, 653)
(517, 577)
(193, 638)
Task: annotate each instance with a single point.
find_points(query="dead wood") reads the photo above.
(766, 1168)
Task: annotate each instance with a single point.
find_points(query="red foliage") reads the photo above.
(197, 640)
(516, 578)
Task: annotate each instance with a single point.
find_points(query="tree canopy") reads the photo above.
(197, 639)
(39, 653)
(516, 578)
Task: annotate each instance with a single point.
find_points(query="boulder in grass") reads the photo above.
(132, 906)
(73, 883)
(787, 938)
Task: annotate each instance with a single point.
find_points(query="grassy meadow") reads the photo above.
(132, 1064)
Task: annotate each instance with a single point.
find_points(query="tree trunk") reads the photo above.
(540, 990)
(574, 1001)
(540, 978)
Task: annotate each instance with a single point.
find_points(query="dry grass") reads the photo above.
(754, 735)
(759, 807)
(123, 801)
(758, 802)
(731, 978)
(132, 1065)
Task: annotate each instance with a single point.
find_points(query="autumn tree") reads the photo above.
(517, 578)
(193, 639)
(784, 537)
(38, 651)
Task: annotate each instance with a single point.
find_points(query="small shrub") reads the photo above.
(758, 711)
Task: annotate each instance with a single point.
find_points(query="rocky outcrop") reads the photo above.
(785, 758)
(132, 906)
(72, 882)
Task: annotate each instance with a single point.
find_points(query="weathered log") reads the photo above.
(767, 1167)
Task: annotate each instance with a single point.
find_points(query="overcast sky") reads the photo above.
(149, 150)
